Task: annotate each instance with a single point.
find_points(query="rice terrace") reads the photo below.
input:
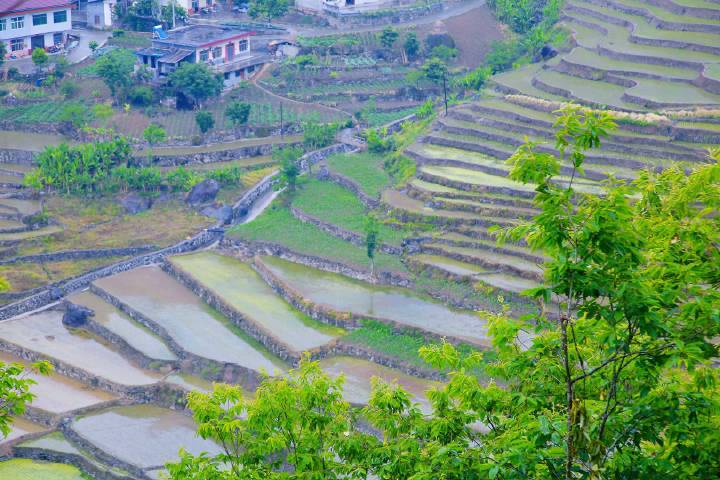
(359, 239)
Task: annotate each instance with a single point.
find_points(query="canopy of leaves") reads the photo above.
(196, 81)
(15, 392)
(40, 57)
(268, 9)
(238, 112)
(205, 121)
(115, 68)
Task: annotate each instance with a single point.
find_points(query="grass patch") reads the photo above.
(365, 168)
(404, 345)
(277, 225)
(334, 204)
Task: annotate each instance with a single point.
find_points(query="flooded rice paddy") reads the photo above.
(20, 428)
(45, 334)
(359, 373)
(137, 336)
(57, 394)
(24, 469)
(195, 326)
(243, 289)
(143, 435)
(397, 304)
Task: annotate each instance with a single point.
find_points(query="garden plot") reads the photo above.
(398, 305)
(45, 334)
(136, 335)
(142, 435)
(58, 394)
(358, 374)
(26, 469)
(191, 323)
(238, 285)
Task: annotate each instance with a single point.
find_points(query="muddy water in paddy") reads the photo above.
(188, 320)
(242, 288)
(400, 305)
(19, 428)
(143, 435)
(120, 324)
(358, 374)
(44, 333)
(57, 394)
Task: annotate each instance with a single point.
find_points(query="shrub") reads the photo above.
(318, 135)
(141, 96)
(204, 120)
(69, 88)
(238, 112)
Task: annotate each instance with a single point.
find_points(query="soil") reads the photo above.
(473, 32)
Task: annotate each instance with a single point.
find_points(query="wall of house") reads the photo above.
(29, 30)
(99, 14)
(221, 55)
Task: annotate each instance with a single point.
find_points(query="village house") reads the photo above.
(191, 6)
(226, 50)
(29, 24)
(100, 13)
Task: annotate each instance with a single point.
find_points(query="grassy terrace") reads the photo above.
(665, 15)
(521, 79)
(334, 204)
(583, 56)
(591, 91)
(277, 225)
(366, 169)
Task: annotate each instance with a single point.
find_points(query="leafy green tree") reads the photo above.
(76, 114)
(296, 422)
(411, 45)
(318, 135)
(153, 134)
(93, 45)
(436, 71)
(475, 80)
(289, 169)
(238, 112)
(388, 37)
(61, 65)
(196, 81)
(15, 386)
(372, 233)
(268, 9)
(115, 68)
(3, 52)
(40, 58)
(205, 121)
(69, 88)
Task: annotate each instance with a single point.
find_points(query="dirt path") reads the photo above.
(264, 71)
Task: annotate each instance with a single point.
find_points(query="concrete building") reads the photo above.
(100, 13)
(192, 6)
(29, 24)
(225, 50)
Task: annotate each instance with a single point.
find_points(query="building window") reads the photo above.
(237, 73)
(39, 19)
(60, 16)
(17, 44)
(217, 52)
(243, 45)
(204, 54)
(57, 38)
(17, 22)
(227, 75)
(3, 24)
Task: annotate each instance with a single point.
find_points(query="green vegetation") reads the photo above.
(364, 168)
(26, 469)
(277, 225)
(15, 392)
(196, 82)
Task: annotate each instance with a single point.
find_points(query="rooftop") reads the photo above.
(202, 35)
(26, 6)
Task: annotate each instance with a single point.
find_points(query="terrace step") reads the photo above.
(473, 181)
(489, 259)
(483, 209)
(409, 209)
(460, 240)
(663, 19)
(425, 191)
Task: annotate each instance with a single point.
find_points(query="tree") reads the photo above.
(205, 121)
(289, 169)
(411, 45)
(115, 68)
(93, 45)
(372, 232)
(238, 112)
(196, 81)
(15, 386)
(3, 52)
(40, 58)
(614, 379)
(154, 134)
(76, 114)
(268, 9)
(388, 37)
(318, 135)
(436, 71)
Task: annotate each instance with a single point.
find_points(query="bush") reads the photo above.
(238, 112)
(204, 120)
(318, 135)
(69, 88)
(141, 96)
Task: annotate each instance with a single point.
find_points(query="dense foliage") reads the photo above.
(15, 390)
(268, 9)
(613, 380)
(196, 82)
(523, 15)
(318, 135)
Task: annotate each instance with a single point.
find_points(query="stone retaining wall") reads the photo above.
(195, 158)
(354, 187)
(341, 233)
(11, 155)
(79, 254)
(54, 292)
(81, 462)
(189, 362)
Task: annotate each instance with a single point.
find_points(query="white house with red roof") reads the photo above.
(29, 24)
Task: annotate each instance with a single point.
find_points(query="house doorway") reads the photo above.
(37, 41)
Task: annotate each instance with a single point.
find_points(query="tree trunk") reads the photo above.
(570, 398)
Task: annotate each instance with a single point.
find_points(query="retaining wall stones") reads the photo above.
(353, 186)
(194, 158)
(54, 292)
(84, 464)
(10, 155)
(79, 254)
(341, 233)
